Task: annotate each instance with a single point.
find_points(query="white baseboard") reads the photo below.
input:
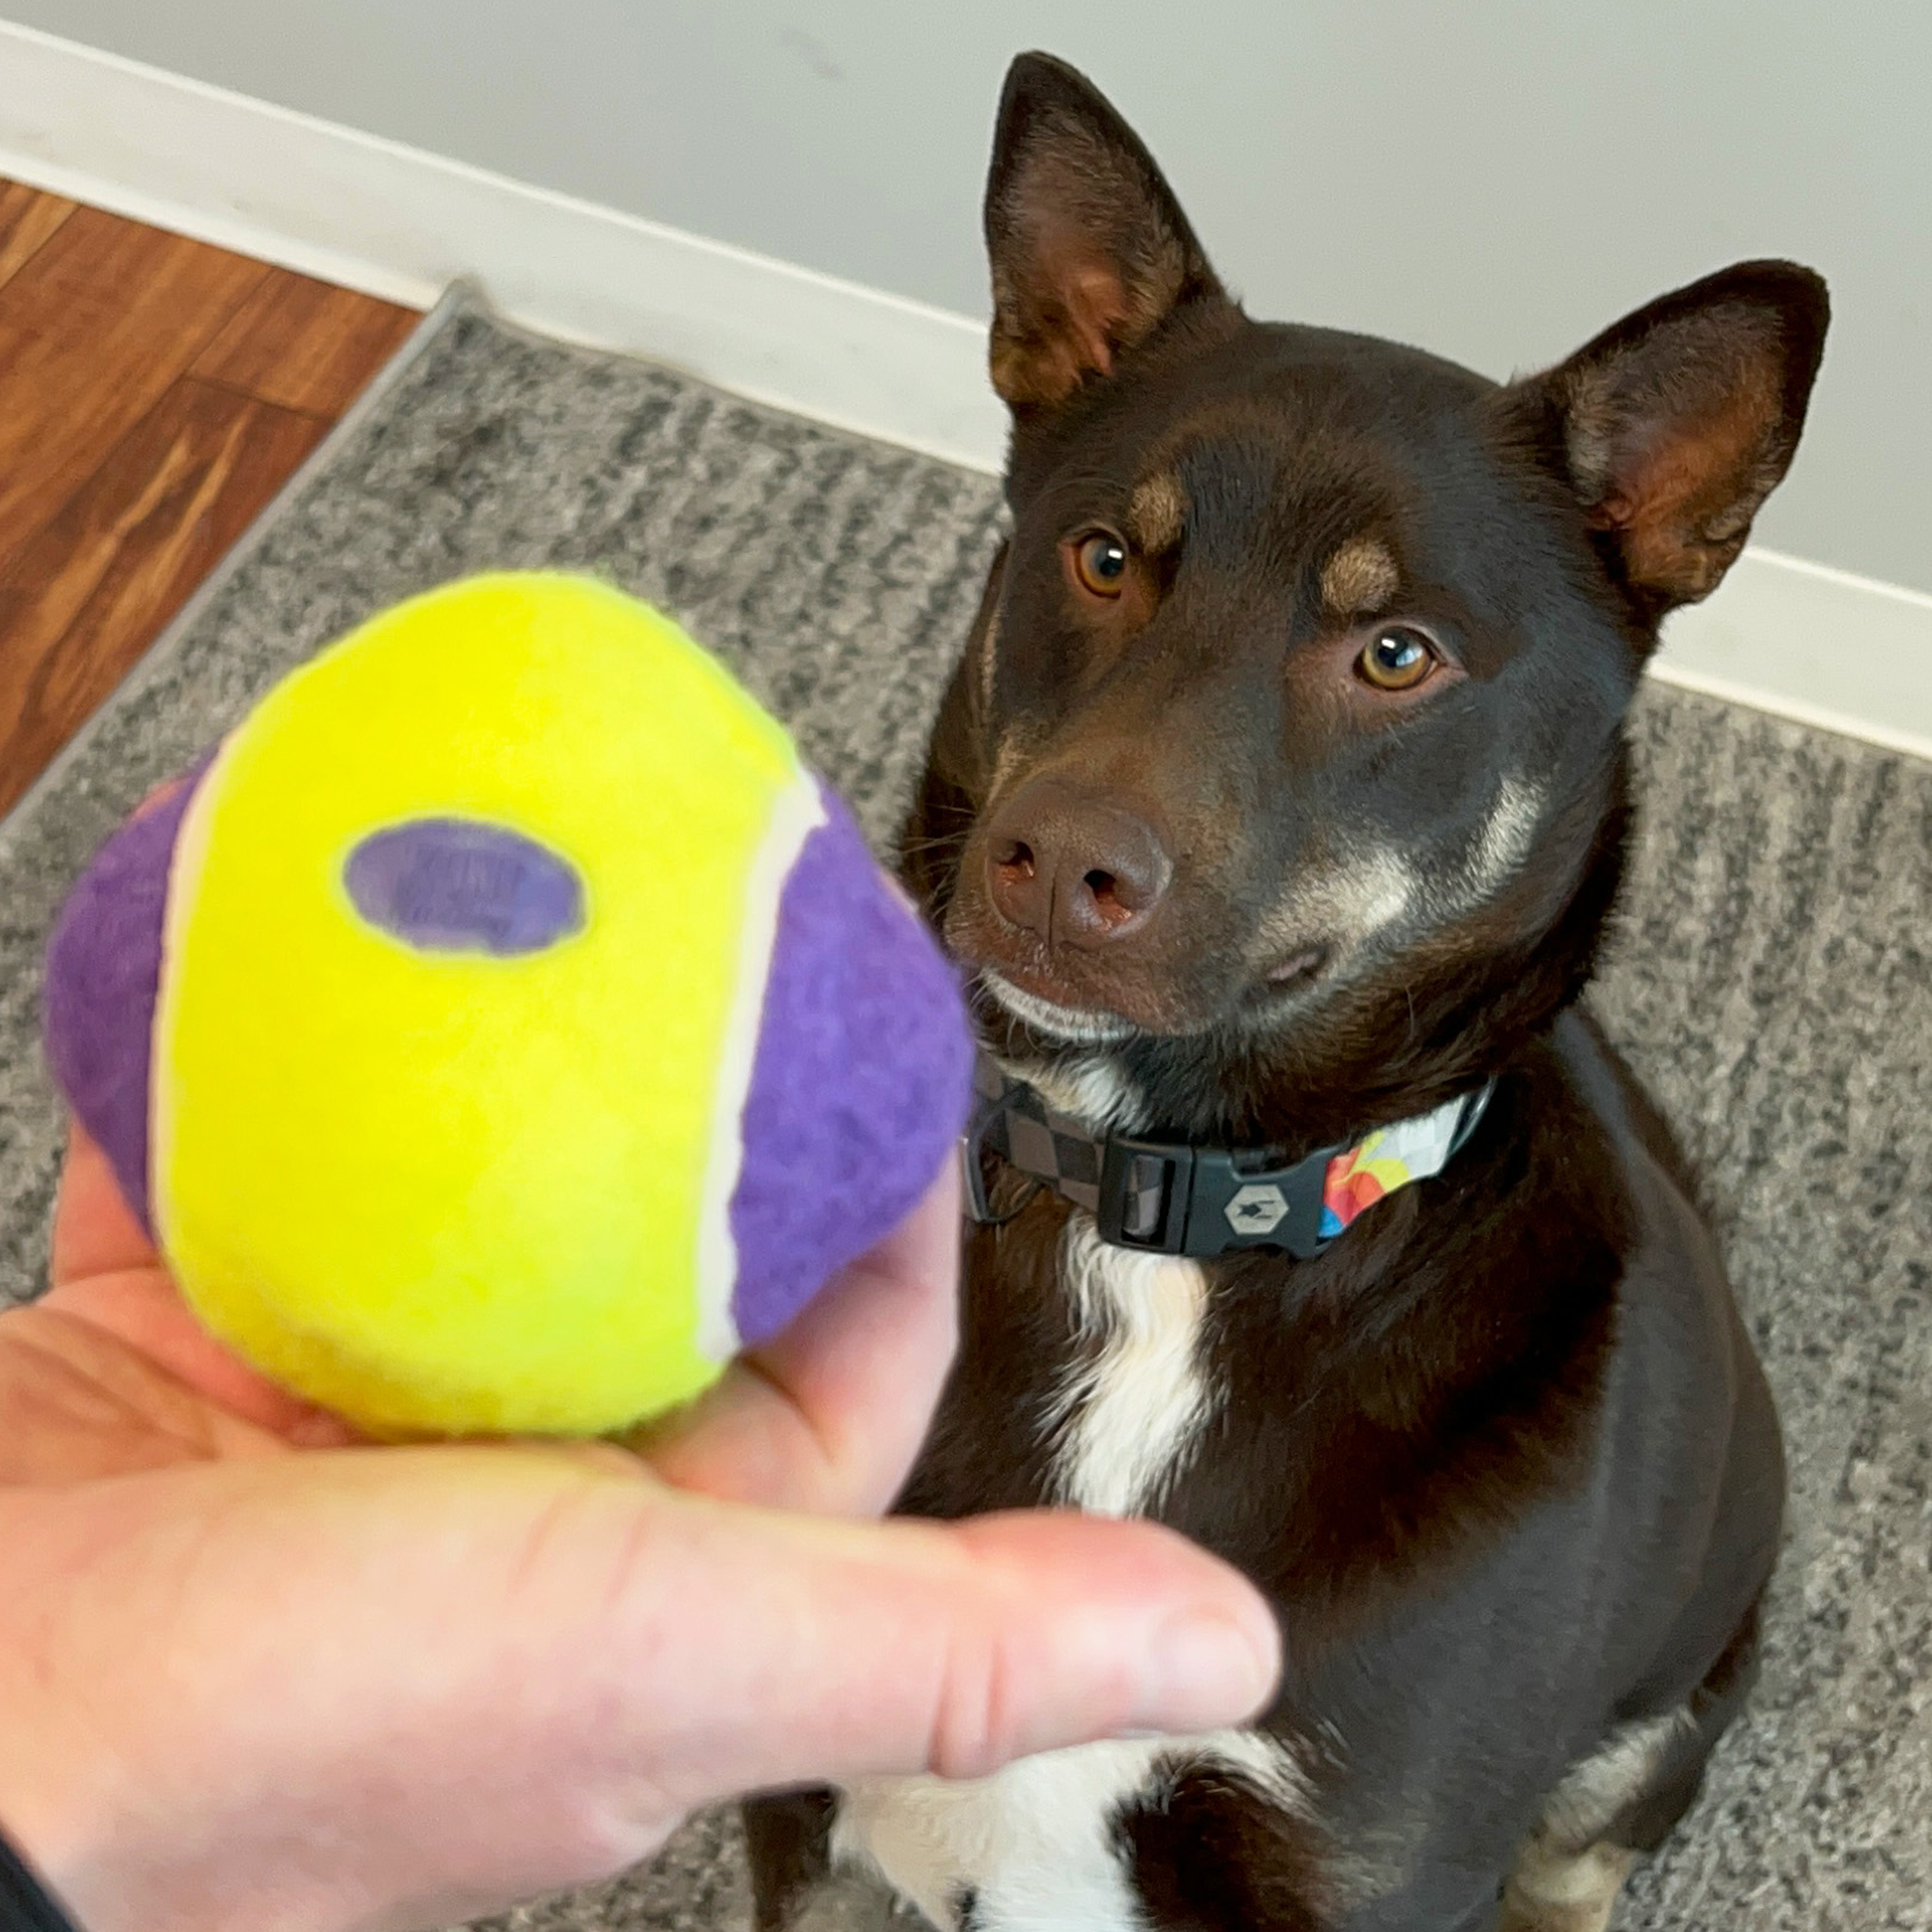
(1799, 639)
(395, 222)
(1822, 646)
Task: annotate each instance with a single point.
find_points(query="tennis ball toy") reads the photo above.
(503, 1028)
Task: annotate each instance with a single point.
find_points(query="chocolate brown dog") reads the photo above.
(1280, 802)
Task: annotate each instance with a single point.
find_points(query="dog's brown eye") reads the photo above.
(1397, 659)
(1100, 562)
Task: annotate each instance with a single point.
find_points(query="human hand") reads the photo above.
(256, 1675)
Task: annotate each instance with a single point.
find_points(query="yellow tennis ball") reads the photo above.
(504, 1026)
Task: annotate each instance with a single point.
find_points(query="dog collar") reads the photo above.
(1175, 1198)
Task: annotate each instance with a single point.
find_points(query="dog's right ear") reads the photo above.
(1091, 252)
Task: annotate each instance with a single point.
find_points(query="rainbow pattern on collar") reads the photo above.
(1390, 1158)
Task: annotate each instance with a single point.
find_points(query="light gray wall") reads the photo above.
(1494, 179)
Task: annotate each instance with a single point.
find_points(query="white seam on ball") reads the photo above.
(796, 813)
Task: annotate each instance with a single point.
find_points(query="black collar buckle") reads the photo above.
(1170, 1199)
(1158, 1197)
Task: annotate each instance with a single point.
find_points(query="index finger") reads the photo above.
(94, 1231)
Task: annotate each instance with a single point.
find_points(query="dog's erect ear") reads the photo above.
(1680, 421)
(1091, 252)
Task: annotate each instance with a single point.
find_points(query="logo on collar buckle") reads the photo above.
(1171, 1199)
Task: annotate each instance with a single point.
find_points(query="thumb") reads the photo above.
(831, 1650)
(486, 1671)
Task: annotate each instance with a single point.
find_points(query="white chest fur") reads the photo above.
(1034, 1844)
(1129, 1415)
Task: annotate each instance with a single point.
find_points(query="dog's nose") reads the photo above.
(1078, 871)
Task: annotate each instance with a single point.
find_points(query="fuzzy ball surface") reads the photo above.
(503, 1027)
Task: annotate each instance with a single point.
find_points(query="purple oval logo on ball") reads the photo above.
(463, 885)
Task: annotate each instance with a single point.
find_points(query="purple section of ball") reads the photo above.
(462, 885)
(861, 1083)
(103, 972)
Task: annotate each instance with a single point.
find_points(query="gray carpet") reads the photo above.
(1773, 984)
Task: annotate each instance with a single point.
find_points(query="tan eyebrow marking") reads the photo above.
(1157, 513)
(1361, 577)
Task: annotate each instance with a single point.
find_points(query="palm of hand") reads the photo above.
(173, 1497)
(255, 1673)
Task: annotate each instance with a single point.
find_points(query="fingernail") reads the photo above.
(1204, 1669)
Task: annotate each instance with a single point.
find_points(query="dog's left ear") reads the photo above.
(1090, 251)
(1677, 423)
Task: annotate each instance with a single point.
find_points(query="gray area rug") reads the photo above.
(1772, 982)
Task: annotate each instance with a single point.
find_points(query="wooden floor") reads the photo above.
(154, 393)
